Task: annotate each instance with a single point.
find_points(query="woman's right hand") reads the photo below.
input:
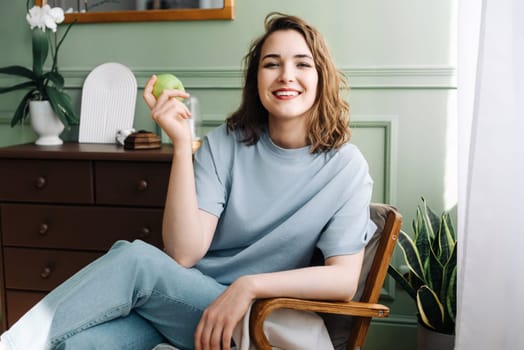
(169, 112)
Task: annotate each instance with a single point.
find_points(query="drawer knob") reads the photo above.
(46, 272)
(40, 182)
(142, 185)
(144, 232)
(43, 229)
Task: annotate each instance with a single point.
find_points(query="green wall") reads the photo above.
(398, 55)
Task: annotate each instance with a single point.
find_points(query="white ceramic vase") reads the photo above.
(45, 123)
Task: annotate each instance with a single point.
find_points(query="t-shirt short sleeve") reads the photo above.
(211, 175)
(349, 230)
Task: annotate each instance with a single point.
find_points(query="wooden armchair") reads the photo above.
(347, 322)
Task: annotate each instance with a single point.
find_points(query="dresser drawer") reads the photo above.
(78, 227)
(42, 269)
(19, 302)
(131, 183)
(46, 181)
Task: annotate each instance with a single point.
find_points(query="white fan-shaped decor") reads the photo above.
(108, 103)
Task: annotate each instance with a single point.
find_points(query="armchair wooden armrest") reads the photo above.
(377, 256)
(263, 307)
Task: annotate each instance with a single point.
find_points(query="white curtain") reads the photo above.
(491, 175)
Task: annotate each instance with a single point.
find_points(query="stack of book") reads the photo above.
(142, 140)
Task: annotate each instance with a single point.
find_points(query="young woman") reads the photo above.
(240, 222)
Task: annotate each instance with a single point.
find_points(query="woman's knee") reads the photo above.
(135, 248)
(140, 252)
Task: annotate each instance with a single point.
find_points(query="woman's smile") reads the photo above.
(286, 94)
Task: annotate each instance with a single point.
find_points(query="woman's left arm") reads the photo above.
(336, 280)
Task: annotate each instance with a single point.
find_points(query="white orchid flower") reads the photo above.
(45, 17)
(34, 18)
(58, 14)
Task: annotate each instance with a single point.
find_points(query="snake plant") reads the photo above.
(431, 257)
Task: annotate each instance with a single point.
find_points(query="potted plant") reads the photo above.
(45, 87)
(431, 257)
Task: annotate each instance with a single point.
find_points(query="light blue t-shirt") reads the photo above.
(276, 205)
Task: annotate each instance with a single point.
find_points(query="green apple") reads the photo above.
(166, 81)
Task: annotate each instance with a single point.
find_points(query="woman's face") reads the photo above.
(287, 77)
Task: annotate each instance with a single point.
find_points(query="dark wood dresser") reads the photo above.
(63, 206)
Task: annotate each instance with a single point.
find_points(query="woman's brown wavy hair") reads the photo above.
(328, 124)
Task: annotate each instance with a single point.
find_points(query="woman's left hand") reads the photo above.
(215, 329)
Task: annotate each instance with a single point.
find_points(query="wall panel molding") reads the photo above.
(388, 124)
(379, 77)
(431, 77)
(396, 319)
(414, 77)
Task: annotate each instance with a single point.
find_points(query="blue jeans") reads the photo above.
(133, 297)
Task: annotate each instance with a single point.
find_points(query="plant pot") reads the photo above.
(431, 340)
(45, 123)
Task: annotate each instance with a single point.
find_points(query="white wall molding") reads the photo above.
(396, 319)
(418, 77)
(389, 125)
(410, 77)
(380, 77)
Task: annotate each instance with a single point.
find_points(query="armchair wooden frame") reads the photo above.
(362, 311)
